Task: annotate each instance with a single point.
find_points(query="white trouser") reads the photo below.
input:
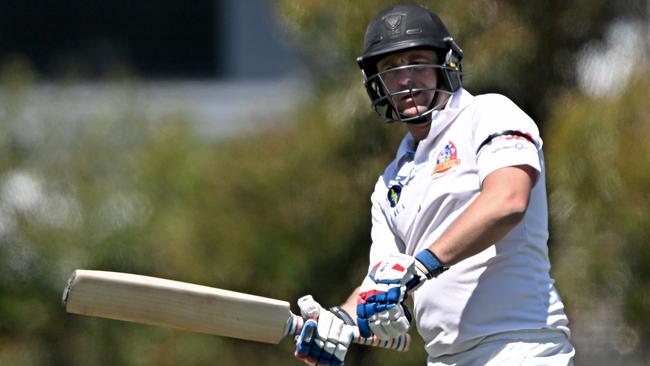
(520, 348)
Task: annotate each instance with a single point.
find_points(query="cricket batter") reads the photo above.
(459, 218)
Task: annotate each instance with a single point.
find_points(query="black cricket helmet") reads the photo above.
(402, 27)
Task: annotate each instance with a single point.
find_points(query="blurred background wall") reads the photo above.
(203, 58)
(231, 144)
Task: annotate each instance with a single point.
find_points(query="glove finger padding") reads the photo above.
(391, 323)
(327, 333)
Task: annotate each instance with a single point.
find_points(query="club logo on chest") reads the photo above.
(447, 159)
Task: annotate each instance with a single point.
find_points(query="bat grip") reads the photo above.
(400, 343)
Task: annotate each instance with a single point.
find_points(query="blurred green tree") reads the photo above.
(597, 164)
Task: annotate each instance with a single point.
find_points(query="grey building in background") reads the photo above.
(223, 62)
(253, 46)
(216, 39)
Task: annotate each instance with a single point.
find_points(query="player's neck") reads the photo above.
(419, 131)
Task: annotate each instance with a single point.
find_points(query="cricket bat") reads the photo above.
(190, 307)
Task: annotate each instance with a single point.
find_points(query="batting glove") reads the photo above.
(325, 337)
(380, 305)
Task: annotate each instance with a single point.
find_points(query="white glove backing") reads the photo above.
(325, 338)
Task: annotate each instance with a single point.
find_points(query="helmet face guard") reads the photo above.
(400, 28)
(387, 94)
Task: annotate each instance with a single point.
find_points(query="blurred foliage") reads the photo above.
(285, 211)
(598, 159)
(524, 50)
(120, 192)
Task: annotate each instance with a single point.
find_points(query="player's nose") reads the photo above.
(399, 79)
(404, 77)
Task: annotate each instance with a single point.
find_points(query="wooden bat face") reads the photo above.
(191, 307)
(178, 305)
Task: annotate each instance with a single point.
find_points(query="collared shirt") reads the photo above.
(429, 184)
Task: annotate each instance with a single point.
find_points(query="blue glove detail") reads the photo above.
(362, 321)
(376, 304)
(309, 350)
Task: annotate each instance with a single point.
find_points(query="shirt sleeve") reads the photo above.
(504, 136)
(384, 241)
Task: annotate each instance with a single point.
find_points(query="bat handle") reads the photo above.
(400, 344)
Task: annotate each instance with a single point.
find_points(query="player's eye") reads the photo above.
(421, 61)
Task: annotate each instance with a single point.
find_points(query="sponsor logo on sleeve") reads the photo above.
(512, 139)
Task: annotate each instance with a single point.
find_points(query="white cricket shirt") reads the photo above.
(507, 286)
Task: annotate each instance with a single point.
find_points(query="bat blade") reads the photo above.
(191, 307)
(179, 305)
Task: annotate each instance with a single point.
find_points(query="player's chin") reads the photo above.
(413, 111)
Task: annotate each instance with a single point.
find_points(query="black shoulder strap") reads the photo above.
(505, 133)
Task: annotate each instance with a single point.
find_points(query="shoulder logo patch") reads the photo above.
(447, 158)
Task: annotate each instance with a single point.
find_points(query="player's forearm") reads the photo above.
(497, 210)
(350, 304)
(481, 225)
